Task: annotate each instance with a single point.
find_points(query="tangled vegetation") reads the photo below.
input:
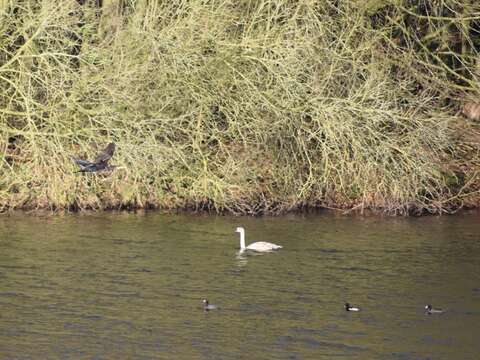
(241, 106)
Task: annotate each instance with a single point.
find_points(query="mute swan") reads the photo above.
(430, 310)
(351, 308)
(260, 246)
(207, 306)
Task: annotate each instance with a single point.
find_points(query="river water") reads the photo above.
(129, 286)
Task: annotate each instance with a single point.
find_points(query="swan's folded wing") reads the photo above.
(263, 246)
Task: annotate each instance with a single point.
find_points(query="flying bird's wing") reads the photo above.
(106, 154)
(85, 165)
(81, 163)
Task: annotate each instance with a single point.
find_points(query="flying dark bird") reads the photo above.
(100, 163)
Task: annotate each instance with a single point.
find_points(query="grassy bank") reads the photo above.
(240, 106)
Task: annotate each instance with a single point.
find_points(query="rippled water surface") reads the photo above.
(127, 286)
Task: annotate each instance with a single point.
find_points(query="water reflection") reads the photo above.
(241, 258)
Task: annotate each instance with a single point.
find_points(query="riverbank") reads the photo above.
(238, 107)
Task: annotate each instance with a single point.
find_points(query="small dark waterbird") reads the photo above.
(100, 163)
(207, 306)
(348, 307)
(430, 310)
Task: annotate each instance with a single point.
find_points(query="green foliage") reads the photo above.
(241, 106)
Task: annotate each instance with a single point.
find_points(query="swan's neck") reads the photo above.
(242, 239)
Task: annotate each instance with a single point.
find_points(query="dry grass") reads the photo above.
(240, 106)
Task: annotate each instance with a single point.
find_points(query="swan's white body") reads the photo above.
(260, 246)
